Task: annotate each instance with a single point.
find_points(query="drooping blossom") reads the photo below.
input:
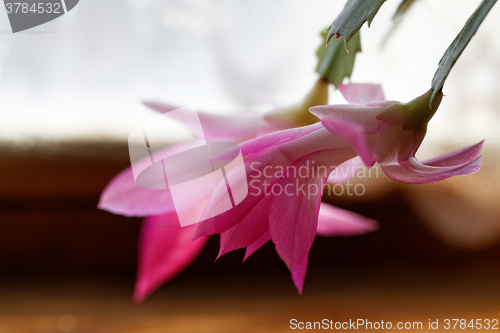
(393, 132)
(284, 207)
(165, 248)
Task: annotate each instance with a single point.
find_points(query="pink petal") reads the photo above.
(254, 166)
(346, 170)
(361, 93)
(274, 158)
(366, 116)
(260, 143)
(250, 229)
(394, 144)
(266, 237)
(293, 213)
(413, 172)
(165, 250)
(459, 156)
(354, 135)
(160, 107)
(123, 196)
(333, 221)
(299, 275)
(232, 127)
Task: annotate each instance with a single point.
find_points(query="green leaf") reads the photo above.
(456, 48)
(352, 17)
(334, 62)
(402, 9)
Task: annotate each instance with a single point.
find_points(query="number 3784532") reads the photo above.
(485, 324)
(35, 8)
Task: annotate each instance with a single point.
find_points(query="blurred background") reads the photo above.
(70, 94)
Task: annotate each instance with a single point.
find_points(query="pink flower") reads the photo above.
(123, 196)
(285, 206)
(165, 248)
(393, 132)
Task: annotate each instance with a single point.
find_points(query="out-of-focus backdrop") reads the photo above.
(70, 94)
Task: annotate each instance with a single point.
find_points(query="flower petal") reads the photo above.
(393, 144)
(366, 116)
(413, 172)
(266, 237)
(262, 142)
(165, 249)
(254, 172)
(123, 196)
(354, 135)
(299, 275)
(293, 212)
(346, 171)
(361, 93)
(459, 156)
(253, 226)
(333, 221)
(263, 169)
(230, 127)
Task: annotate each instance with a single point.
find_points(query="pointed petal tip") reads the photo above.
(299, 275)
(314, 109)
(138, 299)
(299, 288)
(221, 253)
(414, 172)
(158, 106)
(252, 248)
(110, 207)
(337, 222)
(165, 250)
(456, 157)
(362, 93)
(248, 253)
(479, 145)
(141, 292)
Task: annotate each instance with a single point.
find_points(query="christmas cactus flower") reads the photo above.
(289, 156)
(288, 170)
(165, 249)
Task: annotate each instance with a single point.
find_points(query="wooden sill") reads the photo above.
(49, 221)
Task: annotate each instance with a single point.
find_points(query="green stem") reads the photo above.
(458, 45)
